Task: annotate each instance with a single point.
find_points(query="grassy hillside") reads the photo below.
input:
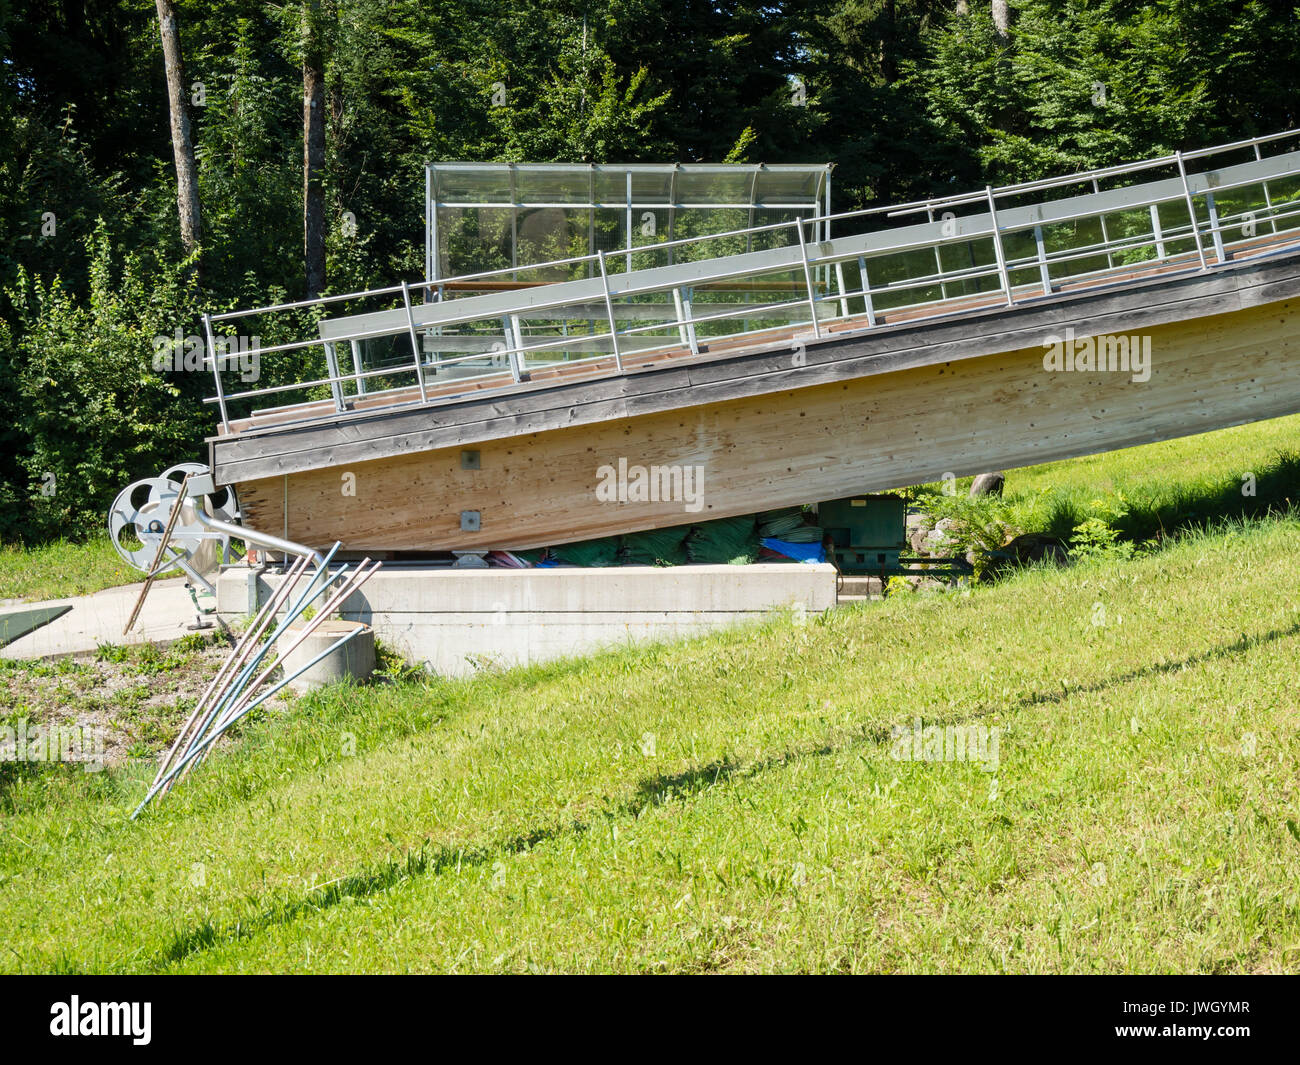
(1159, 488)
(732, 803)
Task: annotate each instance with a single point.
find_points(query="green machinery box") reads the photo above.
(869, 532)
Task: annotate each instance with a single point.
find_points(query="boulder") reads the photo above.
(988, 484)
(943, 538)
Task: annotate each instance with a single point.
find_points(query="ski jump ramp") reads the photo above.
(744, 371)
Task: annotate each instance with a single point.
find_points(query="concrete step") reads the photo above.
(859, 588)
(851, 600)
(448, 617)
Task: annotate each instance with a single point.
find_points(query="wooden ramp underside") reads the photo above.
(783, 420)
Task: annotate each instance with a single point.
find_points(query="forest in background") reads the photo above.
(309, 125)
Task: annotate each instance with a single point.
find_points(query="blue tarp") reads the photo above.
(798, 552)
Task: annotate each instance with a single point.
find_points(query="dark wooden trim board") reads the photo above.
(683, 383)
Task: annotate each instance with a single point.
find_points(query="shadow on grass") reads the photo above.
(428, 860)
(436, 859)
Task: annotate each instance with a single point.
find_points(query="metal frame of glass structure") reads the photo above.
(615, 199)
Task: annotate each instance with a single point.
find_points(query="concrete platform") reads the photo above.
(452, 620)
(100, 618)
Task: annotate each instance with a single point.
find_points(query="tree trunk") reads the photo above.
(313, 150)
(889, 44)
(187, 182)
(1002, 17)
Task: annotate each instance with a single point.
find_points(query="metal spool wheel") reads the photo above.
(138, 518)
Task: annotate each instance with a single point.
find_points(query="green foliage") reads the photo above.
(976, 527)
(95, 411)
(249, 156)
(898, 586)
(391, 666)
(1097, 537)
(1086, 84)
(112, 652)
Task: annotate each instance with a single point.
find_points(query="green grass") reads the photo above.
(1170, 467)
(731, 804)
(1163, 487)
(62, 569)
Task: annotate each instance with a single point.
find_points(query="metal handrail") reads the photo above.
(999, 191)
(568, 301)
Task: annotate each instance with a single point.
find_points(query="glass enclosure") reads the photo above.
(493, 216)
(511, 217)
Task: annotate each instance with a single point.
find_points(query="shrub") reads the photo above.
(1097, 535)
(90, 411)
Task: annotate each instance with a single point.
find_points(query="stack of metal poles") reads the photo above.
(237, 688)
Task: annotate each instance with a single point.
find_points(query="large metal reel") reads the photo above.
(139, 515)
(138, 518)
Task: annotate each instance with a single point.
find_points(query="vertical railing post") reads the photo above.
(1268, 200)
(629, 221)
(356, 368)
(685, 327)
(866, 290)
(1157, 234)
(609, 311)
(688, 302)
(415, 343)
(332, 364)
(1043, 272)
(807, 277)
(938, 258)
(518, 365)
(839, 281)
(1191, 211)
(216, 371)
(1105, 237)
(1215, 235)
(504, 352)
(997, 245)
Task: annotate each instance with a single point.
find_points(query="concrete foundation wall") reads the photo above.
(454, 619)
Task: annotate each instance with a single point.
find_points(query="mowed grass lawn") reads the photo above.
(1161, 488)
(62, 569)
(731, 803)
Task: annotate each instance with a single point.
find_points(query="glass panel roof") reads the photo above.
(485, 215)
(652, 184)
